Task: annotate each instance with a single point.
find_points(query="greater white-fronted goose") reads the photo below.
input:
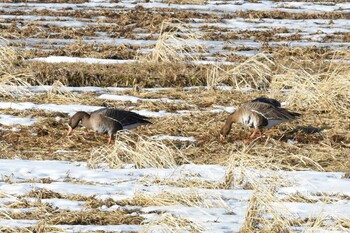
(258, 115)
(107, 120)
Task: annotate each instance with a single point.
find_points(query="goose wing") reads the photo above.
(271, 101)
(125, 118)
(270, 112)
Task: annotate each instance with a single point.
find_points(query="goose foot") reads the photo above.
(110, 140)
(251, 137)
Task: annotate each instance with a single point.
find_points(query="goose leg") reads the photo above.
(260, 133)
(110, 140)
(70, 129)
(253, 134)
(256, 130)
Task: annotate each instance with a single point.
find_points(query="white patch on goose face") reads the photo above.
(248, 120)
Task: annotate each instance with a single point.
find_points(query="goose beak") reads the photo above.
(70, 129)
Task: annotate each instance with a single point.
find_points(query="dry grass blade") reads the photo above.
(139, 150)
(176, 43)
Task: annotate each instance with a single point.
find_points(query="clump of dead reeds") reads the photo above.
(255, 73)
(12, 83)
(319, 91)
(57, 91)
(215, 76)
(254, 167)
(176, 43)
(272, 157)
(141, 151)
(188, 198)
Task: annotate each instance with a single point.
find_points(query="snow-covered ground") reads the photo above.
(22, 176)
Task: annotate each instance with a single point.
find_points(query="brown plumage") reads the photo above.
(257, 115)
(107, 120)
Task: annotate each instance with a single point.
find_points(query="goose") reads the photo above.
(107, 120)
(258, 114)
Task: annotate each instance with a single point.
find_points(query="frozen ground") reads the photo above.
(33, 191)
(292, 32)
(21, 177)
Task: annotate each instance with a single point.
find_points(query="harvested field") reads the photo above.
(187, 65)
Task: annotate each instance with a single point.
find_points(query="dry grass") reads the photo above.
(176, 43)
(171, 223)
(139, 150)
(252, 165)
(189, 198)
(255, 72)
(87, 217)
(263, 213)
(12, 83)
(215, 76)
(323, 91)
(57, 92)
(188, 182)
(146, 74)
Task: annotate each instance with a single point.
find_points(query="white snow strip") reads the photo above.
(135, 99)
(9, 120)
(59, 59)
(17, 223)
(226, 109)
(101, 228)
(65, 204)
(71, 108)
(57, 171)
(211, 219)
(210, 7)
(315, 210)
(311, 182)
